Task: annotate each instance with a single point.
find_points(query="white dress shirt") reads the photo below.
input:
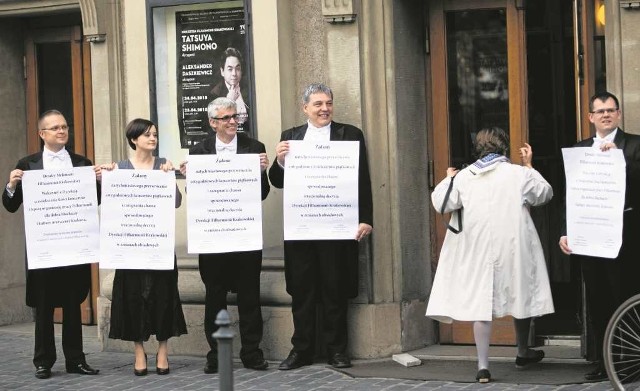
(598, 141)
(229, 149)
(317, 134)
(56, 160)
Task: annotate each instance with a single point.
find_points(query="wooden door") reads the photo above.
(529, 68)
(478, 79)
(58, 76)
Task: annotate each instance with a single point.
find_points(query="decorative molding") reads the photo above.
(338, 11)
(95, 38)
(36, 7)
(93, 20)
(630, 4)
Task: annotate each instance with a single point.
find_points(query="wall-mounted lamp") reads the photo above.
(600, 15)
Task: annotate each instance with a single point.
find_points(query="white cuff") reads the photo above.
(10, 192)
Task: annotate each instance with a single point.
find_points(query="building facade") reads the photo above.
(419, 77)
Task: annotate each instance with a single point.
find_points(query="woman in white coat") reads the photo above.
(494, 266)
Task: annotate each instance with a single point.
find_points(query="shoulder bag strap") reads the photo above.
(458, 211)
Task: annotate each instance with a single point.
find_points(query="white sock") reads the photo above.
(482, 334)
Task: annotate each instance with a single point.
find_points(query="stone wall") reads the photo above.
(12, 148)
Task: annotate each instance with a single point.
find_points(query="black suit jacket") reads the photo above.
(56, 285)
(339, 132)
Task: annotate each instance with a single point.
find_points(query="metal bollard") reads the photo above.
(224, 335)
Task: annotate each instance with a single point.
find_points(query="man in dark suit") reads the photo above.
(65, 287)
(231, 85)
(609, 282)
(322, 271)
(234, 271)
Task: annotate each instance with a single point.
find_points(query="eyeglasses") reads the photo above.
(57, 128)
(227, 118)
(601, 112)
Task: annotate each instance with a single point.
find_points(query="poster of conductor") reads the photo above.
(211, 63)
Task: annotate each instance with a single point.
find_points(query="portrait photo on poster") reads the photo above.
(211, 52)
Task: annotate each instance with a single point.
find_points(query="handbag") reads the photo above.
(457, 211)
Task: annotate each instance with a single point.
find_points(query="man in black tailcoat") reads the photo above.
(48, 288)
(233, 271)
(322, 271)
(609, 282)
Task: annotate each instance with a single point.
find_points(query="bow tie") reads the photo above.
(221, 148)
(597, 142)
(53, 156)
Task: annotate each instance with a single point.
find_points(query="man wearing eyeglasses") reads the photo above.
(609, 282)
(65, 287)
(234, 271)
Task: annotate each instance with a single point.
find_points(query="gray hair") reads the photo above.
(220, 103)
(314, 88)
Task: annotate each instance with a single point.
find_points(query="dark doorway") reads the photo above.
(58, 75)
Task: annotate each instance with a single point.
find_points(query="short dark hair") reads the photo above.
(230, 52)
(315, 88)
(46, 114)
(603, 96)
(491, 140)
(136, 128)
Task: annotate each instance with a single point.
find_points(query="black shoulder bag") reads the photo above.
(458, 211)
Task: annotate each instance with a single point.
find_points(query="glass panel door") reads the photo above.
(478, 80)
(477, 74)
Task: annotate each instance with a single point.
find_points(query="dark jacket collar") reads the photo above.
(35, 161)
(619, 140)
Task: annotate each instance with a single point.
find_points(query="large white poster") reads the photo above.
(596, 183)
(137, 220)
(224, 203)
(60, 217)
(321, 190)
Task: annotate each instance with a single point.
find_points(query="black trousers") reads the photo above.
(45, 348)
(239, 272)
(609, 282)
(317, 276)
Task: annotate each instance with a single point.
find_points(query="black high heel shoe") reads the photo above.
(162, 371)
(140, 372)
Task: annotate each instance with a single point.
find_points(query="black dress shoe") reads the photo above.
(339, 360)
(597, 374)
(43, 372)
(293, 361)
(82, 369)
(259, 364)
(211, 367)
(162, 371)
(141, 372)
(532, 357)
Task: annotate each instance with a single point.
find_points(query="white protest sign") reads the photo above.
(60, 217)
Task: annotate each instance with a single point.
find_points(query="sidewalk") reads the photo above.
(116, 373)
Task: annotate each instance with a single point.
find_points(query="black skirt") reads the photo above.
(146, 302)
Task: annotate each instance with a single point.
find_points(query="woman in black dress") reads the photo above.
(146, 302)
